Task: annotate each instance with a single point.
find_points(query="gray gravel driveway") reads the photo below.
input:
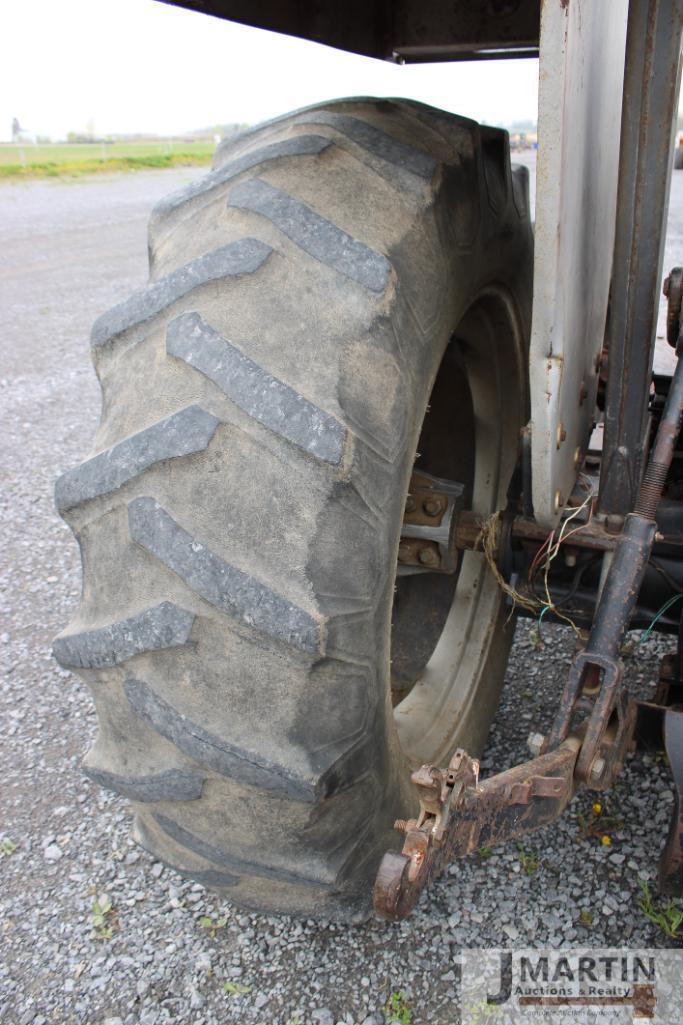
(67, 252)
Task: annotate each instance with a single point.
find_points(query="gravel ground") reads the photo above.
(67, 252)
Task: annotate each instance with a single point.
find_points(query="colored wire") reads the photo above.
(553, 552)
(537, 557)
(488, 538)
(545, 609)
(659, 614)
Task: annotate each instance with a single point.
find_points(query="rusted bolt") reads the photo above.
(403, 552)
(614, 523)
(401, 825)
(410, 504)
(561, 434)
(535, 742)
(583, 393)
(559, 500)
(597, 769)
(428, 557)
(432, 506)
(577, 458)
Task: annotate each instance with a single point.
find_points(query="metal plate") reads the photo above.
(406, 31)
(581, 75)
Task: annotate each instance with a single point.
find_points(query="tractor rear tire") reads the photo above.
(239, 518)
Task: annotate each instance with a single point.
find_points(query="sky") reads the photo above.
(143, 66)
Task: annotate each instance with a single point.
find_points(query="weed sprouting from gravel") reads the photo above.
(102, 917)
(236, 989)
(598, 824)
(666, 915)
(528, 860)
(212, 925)
(398, 1009)
(7, 847)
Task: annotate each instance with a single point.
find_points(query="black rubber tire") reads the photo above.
(240, 517)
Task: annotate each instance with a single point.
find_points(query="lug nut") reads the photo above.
(428, 557)
(410, 504)
(432, 506)
(561, 434)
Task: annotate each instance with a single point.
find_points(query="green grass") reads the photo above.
(667, 915)
(398, 1010)
(66, 160)
(528, 860)
(213, 925)
(103, 917)
(236, 989)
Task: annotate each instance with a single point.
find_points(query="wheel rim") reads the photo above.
(461, 615)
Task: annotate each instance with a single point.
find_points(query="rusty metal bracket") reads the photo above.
(610, 718)
(427, 847)
(429, 518)
(458, 815)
